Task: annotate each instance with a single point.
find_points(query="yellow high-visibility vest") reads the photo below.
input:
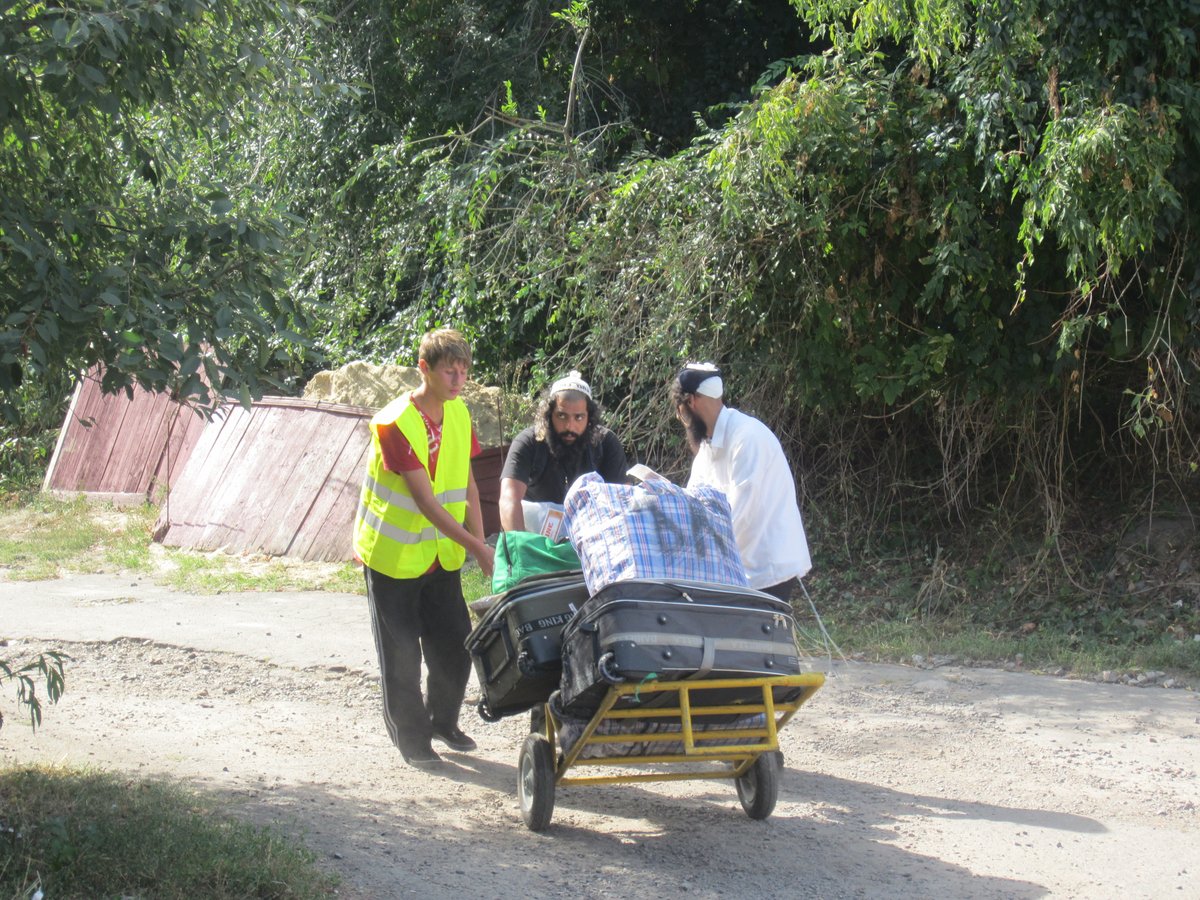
(390, 533)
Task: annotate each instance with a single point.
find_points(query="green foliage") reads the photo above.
(946, 249)
(46, 667)
(475, 584)
(391, 187)
(90, 834)
(206, 573)
(27, 444)
(46, 537)
(23, 459)
(946, 260)
(985, 598)
(1087, 113)
(909, 251)
(133, 230)
(907, 641)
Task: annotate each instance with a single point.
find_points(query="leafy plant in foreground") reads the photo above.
(48, 667)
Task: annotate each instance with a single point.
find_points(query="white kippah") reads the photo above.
(701, 378)
(572, 382)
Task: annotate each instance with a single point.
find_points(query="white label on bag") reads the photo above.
(552, 524)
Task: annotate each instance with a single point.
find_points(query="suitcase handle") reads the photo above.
(602, 660)
(602, 666)
(509, 650)
(486, 665)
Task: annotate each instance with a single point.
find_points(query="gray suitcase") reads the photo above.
(516, 647)
(636, 630)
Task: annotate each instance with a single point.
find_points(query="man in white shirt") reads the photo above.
(739, 455)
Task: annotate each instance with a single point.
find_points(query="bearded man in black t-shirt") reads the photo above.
(566, 441)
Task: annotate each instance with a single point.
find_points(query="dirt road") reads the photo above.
(900, 782)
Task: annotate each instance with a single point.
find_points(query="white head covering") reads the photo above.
(702, 378)
(573, 381)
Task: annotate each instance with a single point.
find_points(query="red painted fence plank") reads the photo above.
(281, 478)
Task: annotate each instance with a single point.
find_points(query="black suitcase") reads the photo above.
(516, 647)
(640, 630)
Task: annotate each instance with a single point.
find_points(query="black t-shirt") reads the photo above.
(530, 461)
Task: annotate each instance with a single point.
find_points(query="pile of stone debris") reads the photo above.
(368, 385)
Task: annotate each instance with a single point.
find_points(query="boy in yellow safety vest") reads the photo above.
(418, 516)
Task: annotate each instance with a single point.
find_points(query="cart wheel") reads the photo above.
(758, 789)
(535, 782)
(485, 712)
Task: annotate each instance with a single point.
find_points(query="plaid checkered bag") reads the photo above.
(655, 529)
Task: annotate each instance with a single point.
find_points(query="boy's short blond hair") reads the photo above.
(444, 344)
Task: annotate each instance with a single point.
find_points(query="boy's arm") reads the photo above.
(422, 494)
(474, 519)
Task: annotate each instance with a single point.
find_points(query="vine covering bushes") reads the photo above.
(949, 253)
(961, 237)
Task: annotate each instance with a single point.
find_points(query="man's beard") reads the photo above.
(697, 431)
(568, 453)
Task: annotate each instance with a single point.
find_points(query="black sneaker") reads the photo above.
(454, 739)
(422, 758)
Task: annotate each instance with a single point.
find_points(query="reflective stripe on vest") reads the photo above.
(391, 535)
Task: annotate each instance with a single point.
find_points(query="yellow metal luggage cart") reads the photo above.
(745, 753)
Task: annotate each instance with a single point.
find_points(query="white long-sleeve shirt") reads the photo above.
(745, 460)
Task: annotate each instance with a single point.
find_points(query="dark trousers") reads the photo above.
(411, 617)
(783, 590)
